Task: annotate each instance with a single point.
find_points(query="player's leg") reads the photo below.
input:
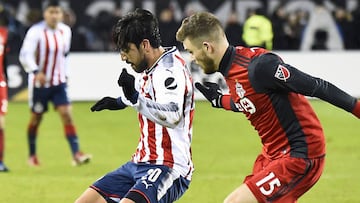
(90, 196)
(112, 187)
(3, 167)
(63, 107)
(3, 110)
(283, 180)
(38, 99)
(34, 123)
(310, 178)
(241, 194)
(156, 184)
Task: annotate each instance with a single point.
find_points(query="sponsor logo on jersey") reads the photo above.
(147, 185)
(282, 73)
(170, 83)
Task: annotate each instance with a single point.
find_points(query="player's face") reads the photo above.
(53, 15)
(135, 57)
(200, 56)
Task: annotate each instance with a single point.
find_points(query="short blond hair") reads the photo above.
(199, 27)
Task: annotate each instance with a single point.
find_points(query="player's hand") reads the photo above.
(126, 81)
(212, 93)
(40, 79)
(108, 103)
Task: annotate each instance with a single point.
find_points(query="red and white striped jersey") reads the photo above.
(45, 49)
(166, 108)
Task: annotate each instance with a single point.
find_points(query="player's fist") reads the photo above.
(126, 81)
(108, 103)
(212, 92)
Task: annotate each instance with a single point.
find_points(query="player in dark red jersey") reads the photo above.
(3, 89)
(271, 94)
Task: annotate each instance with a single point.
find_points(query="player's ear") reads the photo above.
(145, 44)
(207, 47)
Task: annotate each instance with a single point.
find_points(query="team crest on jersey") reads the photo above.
(239, 90)
(282, 73)
(38, 107)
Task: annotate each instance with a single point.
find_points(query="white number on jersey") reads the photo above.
(270, 181)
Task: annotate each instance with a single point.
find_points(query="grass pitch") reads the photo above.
(224, 149)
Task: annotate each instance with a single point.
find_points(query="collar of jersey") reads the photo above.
(226, 60)
(168, 50)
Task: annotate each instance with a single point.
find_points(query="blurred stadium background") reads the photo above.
(112, 139)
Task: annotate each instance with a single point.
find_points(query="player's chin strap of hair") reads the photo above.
(356, 110)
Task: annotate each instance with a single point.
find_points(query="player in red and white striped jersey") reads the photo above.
(44, 56)
(161, 168)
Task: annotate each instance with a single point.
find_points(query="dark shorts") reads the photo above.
(40, 97)
(284, 179)
(156, 183)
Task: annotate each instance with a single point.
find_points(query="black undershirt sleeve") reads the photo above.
(266, 73)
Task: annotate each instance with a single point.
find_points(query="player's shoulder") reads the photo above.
(171, 59)
(37, 27)
(64, 27)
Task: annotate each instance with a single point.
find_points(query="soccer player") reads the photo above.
(270, 93)
(161, 167)
(3, 89)
(43, 55)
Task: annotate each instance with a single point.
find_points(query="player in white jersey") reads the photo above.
(161, 168)
(43, 55)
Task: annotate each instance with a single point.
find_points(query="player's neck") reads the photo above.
(222, 47)
(154, 55)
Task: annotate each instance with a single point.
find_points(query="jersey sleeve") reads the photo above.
(67, 50)
(28, 50)
(270, 73)
(167, 106)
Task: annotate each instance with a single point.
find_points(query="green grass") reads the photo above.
(224, 149)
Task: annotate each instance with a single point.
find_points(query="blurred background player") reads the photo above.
(43, 55)
(3, 86)
(271, 95)
(161, 168)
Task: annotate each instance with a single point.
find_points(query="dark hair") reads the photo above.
(50, 3)
(134, 27)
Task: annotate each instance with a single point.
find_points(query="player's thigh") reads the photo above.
(116, 184)
(160, 184)
(284, 178)
(241, 194)
(90, 196)
(59, 95)
(38, 99)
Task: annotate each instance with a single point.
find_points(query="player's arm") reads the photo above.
(68, 37)
(213, 94)
(169, 88)
(28, 51)
(272, 73)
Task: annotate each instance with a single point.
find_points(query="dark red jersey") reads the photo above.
(3, 40)
(271, 95)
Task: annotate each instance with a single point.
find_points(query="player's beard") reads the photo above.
(141, 67)
(208, 65)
